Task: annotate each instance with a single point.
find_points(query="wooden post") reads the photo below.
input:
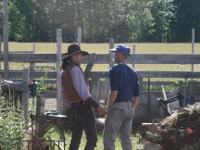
(58, 63)
(134, 47)
(149, 102)
(5, 39)
(0, 83)
(25, 94)
(40, 109)
(95, 88)
(111, 45)
(79, 36)
(32, 65)
(0, 47)
(141, 83)
(89, 66)
(0, 42)
(193, 40)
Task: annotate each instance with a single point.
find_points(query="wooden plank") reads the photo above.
(104, 91)
(5, 39)
(134, 51)
(168, 74)
(0, 84)
(95, 88)
(25, 94)
(32, 65)
(79, 36)
(106, 58)
(111, 54)
(49, 58)
(164, 59)
(0, 46)
(40, 109)
(193, 41)
(19, 52)
(89, 66)
(0, 42)
(13, 74)
(97, 74)
(192, 88)
(58, 74)
(141, 84)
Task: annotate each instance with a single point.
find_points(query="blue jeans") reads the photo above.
(119, 121)
(82, 118)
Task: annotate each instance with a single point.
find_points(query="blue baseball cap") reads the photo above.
(122, 48)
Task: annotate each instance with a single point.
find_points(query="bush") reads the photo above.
(12, 124)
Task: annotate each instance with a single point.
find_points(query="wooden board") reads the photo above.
(106, 58)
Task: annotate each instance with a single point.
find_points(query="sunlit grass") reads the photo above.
(99, 146)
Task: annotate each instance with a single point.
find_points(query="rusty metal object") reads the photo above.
(38, 133)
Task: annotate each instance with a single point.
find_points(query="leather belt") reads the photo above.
(124, 101)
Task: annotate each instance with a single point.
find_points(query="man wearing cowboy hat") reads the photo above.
(75, 95)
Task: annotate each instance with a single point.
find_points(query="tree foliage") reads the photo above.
(123, 20)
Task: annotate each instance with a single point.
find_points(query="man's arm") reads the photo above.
(81, 88)
(114, 83)
(111, 98)
(135, 101)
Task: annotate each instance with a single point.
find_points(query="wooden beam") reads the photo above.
(111, 54)
(0, 42)
(5, 39)
(58, 71)
(25, 94)
(106, 58)
(79, 36)
(164, 59)
(32, 65)
(98, 74)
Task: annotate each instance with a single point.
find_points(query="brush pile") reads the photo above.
(181, 129)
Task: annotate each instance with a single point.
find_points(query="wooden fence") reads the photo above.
(99, 85)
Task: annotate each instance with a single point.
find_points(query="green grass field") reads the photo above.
(103, 48)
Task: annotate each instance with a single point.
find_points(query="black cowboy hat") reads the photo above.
(74, 49)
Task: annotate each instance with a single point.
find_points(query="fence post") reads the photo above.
(32, 65)
(111, 45)
(0, 83)
(79, 36)
(193, 40)
(134, 48)
(40, 108)
(0, 47)
(5, 39)
(0, 42)
(140, 83)
(25, 94)
(58, 63)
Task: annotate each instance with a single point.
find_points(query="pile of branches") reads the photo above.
(179, 130)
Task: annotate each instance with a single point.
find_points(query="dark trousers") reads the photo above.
(82, 118)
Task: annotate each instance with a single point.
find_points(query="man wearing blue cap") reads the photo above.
(122, 101)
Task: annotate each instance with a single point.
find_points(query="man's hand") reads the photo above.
(111, 98)
(101, 110)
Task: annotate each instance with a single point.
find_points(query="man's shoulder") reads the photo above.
(131, 68)
(115, 67)
(76, 70)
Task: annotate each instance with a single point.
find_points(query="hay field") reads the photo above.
(102, 48)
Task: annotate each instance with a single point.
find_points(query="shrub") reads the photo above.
(12, 124)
